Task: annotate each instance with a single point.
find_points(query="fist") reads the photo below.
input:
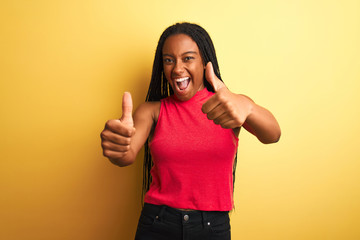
(117, 134)
(227, 109)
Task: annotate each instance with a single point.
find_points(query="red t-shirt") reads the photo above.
(193, 158)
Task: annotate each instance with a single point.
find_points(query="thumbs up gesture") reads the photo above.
(127, 107)
(117, 134)
(227, 109)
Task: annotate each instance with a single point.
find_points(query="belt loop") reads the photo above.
(204, 218)
(161, 213)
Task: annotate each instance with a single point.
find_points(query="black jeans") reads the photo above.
(166, 223)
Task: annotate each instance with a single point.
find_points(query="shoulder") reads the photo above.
(148, 109)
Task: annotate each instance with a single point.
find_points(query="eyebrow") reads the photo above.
(188, 52)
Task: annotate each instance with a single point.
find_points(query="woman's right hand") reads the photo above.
(117, 135)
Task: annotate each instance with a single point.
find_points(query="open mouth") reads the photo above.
(182, 83)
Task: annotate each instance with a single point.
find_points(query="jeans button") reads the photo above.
(186, 218)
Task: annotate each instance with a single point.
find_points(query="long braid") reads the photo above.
(159, 87)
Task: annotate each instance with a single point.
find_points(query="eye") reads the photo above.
(168, 60)
(188, 58)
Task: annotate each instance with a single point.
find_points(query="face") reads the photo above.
(183, 66)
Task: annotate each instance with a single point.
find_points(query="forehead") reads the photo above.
(178, 44)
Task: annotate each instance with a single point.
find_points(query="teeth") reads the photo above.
(181, 79)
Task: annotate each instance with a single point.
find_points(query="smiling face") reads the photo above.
(183, 66)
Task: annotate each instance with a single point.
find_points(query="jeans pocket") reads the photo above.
(146, 221)
(220, 225)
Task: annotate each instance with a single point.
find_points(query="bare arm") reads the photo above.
(145, 118)
(261, 123)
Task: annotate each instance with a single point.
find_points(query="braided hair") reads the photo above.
(160, 88)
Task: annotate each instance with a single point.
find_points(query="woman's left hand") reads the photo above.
(231, 110)
(227, 109)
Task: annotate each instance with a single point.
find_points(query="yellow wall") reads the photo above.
(64, 65)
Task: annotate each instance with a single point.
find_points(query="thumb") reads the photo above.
(127, 107)
(210, 76)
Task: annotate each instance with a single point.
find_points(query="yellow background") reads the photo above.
(65, 64)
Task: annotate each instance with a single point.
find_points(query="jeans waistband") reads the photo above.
(163, 212)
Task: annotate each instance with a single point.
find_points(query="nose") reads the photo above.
(178, 68)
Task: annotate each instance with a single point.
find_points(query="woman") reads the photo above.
(190, 123)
